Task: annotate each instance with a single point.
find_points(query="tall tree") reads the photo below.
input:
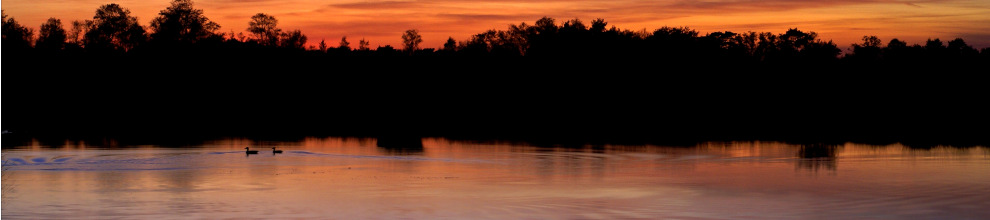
(265, 29)
(323, 45)
(344, 45)
(51, 36)
(180, 22)
(76, 33)
(113, 28)
(364, 45)
(411, 40)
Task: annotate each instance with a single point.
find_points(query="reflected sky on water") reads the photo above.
(437, 178)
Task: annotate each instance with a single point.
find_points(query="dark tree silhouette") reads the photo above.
(598, 25)
(542, 38)
(897, 50)
(386, 50)
(113, 29)
(869, 50)
(15, 36)
(363, 45)
(546, 25)
(934, 49)
(957, 48)
(344, 45)
(895, 43)
(51, 36)
(574, 37)
(871, 41)
(181, 23)
(796, 45)
(729, 46)
(450, 45)
(607, 75)
(323, 45)
(934, 44)
(411, 40)
(265, 29)
(675, 34)
(497, 43)
(575, 25)
(293, 40)
(75, 37)
(672, 43)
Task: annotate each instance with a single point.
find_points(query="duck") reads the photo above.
(276, 151)
(249, 151)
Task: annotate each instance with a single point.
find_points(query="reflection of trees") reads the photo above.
(401, 145)
(817, 157)
(586, 161)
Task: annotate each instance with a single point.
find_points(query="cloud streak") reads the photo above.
(380, 5)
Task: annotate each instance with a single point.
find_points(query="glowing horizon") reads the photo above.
(382, 22)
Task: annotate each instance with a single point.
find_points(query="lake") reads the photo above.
(356, 178)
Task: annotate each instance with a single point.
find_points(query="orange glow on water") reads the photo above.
(353, 178)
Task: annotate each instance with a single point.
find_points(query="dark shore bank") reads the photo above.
(528, 99)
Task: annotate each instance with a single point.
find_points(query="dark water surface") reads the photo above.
(359, 178)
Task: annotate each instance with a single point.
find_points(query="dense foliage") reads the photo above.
(572, 79)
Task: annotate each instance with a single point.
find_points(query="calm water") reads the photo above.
(350, 178)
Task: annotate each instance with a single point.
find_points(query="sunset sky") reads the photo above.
(382, 22)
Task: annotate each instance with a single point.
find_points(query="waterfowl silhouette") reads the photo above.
(249, 151)
(276, 151)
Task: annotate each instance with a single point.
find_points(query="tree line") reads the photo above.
(111, 74)
(182, 28)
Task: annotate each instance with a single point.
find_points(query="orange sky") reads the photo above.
(382, 22)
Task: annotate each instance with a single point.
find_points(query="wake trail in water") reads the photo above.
(138, 160)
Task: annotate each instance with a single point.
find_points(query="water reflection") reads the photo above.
(428, 178)
(400, 145)
(817, 156)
